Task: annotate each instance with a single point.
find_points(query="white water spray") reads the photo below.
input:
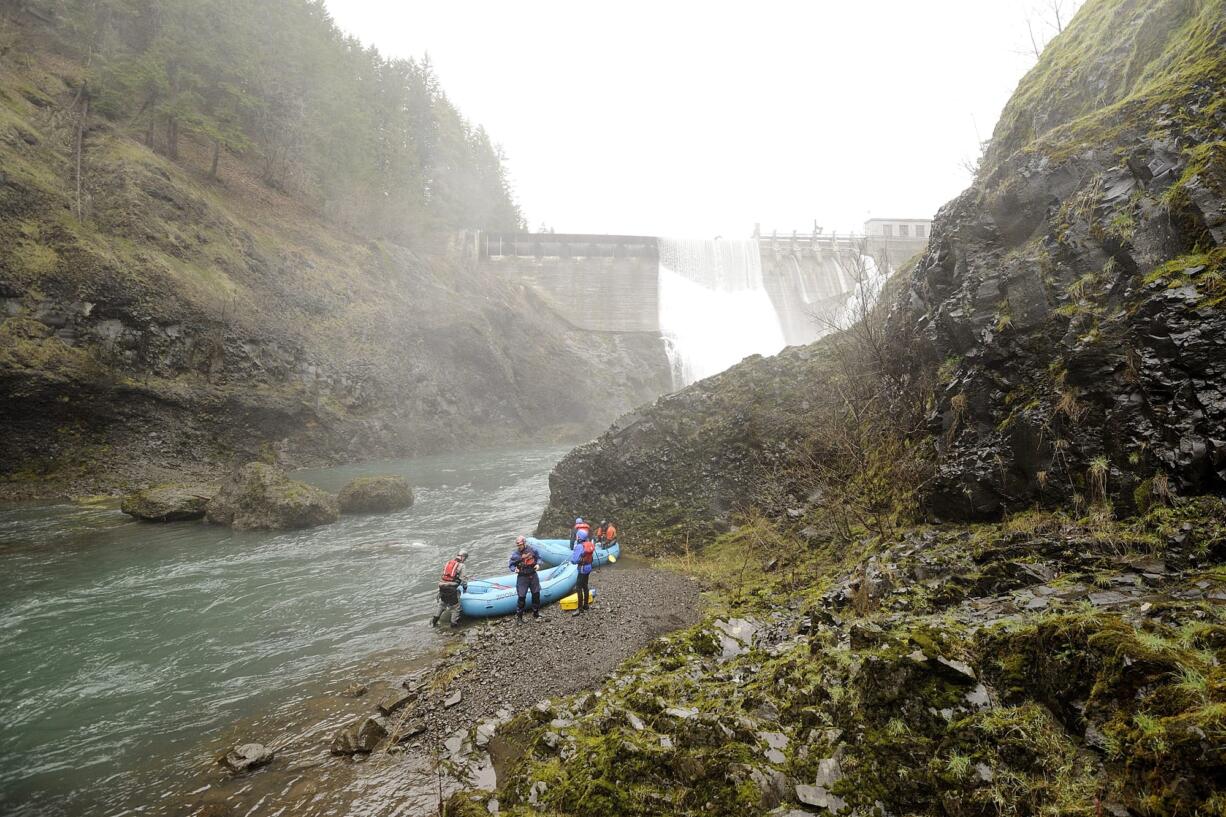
(714, 310)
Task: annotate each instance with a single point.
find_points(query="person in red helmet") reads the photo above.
(525, 562)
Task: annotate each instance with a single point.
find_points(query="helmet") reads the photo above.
(463, 554)
(519, 540)
(581, 536)
(578, 520)
(604, 521)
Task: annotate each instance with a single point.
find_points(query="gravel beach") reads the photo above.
(506, 665)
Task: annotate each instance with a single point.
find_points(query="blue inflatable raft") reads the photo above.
(557, 551)
(496, 596)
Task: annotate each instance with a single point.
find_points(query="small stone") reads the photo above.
(396, 700)
(636, 723)
(978, 697)
(1037, 603)
(1108, 598)
(360, 736)
(453, 699)
(247, 757)
(681, 713)
(492, 806)
(354, 690)
(829, 772)
(776, 756)
(918, 657)
(983, 773)
(666, 742)
(820, 797)
(959, 670)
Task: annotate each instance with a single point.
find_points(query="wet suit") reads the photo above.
(524, 564)
(580, 557)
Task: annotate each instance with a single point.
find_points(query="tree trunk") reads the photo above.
(172, 138)
(216, 158)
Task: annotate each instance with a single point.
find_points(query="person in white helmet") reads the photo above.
(454, 581)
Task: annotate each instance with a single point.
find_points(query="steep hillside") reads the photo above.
(163, 321)
(1062, 337)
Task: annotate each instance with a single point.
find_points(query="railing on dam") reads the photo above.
(567, 245)
(586, 245)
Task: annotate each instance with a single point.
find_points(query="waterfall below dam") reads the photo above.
(714, 309)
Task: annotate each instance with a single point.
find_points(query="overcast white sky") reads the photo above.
(701, 118)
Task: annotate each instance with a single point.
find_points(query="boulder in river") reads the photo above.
(360, 737)
(378, 494)
(260, 497)
(169, 503)
(246, 757)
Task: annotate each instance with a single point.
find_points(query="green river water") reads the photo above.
(129, 651)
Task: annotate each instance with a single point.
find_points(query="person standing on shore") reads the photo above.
(453, 582)
(580, 525)
(582, 555)
(525, 562)
(606, 533)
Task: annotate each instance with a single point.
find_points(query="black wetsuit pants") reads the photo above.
(525, 582)
(581, 590)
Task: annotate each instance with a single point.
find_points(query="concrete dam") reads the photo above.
(713, 302)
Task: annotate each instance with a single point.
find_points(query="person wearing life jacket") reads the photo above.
(525, 562)
(453, 582)
(606, 534)
(583, 555)
(580, 525)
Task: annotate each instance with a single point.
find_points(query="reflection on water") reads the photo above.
(130, 650)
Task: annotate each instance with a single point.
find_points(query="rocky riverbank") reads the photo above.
(443, 715)
(1040, 666)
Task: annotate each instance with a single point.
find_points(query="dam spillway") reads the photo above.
(711, 302)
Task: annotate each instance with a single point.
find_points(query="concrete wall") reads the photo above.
(608, 283)
(600, 294)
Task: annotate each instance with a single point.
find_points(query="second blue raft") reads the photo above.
(557, 551)
(497, 596)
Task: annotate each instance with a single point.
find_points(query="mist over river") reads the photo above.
(128, 650)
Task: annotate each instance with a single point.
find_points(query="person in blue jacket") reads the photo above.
(525, 562)
(583, 555)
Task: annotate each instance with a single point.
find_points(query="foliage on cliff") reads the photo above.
(372, 142)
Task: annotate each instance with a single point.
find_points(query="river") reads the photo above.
(129, 650)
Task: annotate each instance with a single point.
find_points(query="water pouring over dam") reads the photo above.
(714, 309)
(700, 305)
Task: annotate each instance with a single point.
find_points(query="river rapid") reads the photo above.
(129, 651)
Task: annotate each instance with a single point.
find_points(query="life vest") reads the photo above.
(527, 558)
(451, 573)
(610, 534)
(583, 526)
(589, 550)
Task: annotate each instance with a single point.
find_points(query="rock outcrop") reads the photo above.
(379, 494)
(169, 503)
(260, 497)
(1063, 332)
(1074, 293)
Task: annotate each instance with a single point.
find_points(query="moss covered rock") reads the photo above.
(260, 497)
(169, 503)
(378, 494)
